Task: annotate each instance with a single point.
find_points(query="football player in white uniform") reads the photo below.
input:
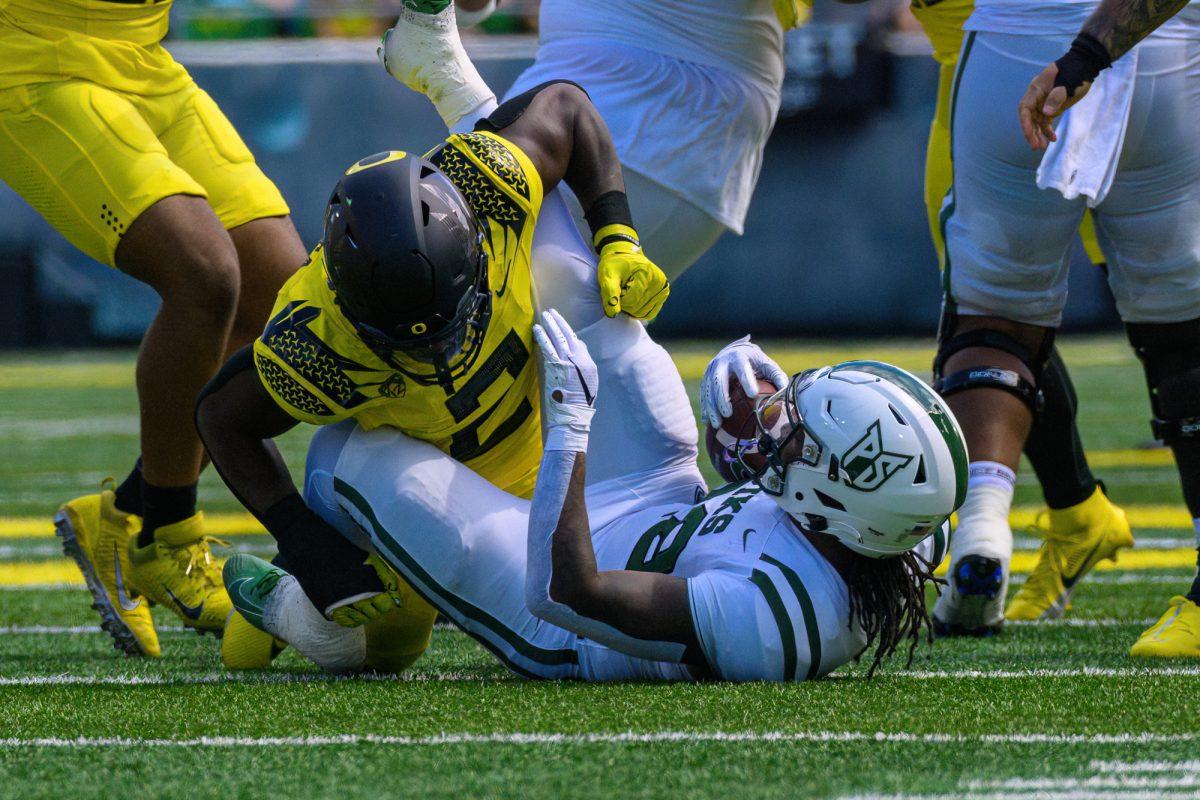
(783, 578)
(1130, 154)
(1168, 352)
(690, 90)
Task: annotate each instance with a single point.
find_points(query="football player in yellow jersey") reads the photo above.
(105, 135)
(416, 312)
(1083, 527)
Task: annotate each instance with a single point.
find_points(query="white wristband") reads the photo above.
(573, 438)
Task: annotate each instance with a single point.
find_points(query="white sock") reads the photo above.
(983, 527)
(289, 615)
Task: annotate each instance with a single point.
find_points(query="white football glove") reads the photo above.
(424, 52)
(747, 362)
(569, 384)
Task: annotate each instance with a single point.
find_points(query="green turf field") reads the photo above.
(1051, 710)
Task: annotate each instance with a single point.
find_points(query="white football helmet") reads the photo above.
(862, 451)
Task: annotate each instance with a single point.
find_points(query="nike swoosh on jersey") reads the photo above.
(191, 612)
(127, 603)
(745, 535)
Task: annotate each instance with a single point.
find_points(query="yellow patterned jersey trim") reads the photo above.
(319, 371)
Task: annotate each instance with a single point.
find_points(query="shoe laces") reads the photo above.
(196, 557)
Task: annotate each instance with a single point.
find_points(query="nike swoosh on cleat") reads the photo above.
(191, 612)
(1069, 582)
(127, 603)
(244, 599)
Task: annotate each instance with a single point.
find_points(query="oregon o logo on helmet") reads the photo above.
(868, 464)
(419, 328)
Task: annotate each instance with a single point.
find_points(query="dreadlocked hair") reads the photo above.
(887, 600)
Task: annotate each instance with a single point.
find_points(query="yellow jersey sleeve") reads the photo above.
(309, 357)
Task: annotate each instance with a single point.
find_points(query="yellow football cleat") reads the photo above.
(96, 534)
(1175, 635)
(244, 646)
(399, 637)
(1076, 539)
(179, 572)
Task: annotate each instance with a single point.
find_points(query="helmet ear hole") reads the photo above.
(424, 213)
(829, 502)
(920, 478)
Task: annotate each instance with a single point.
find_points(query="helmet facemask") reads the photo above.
(452, 348)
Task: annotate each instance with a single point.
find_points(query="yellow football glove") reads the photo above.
(364, 609)
(629, 281)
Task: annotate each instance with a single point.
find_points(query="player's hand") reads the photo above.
(1048, 96)
(630, 282)
(743, 360)
(355, 611)
(570, 381)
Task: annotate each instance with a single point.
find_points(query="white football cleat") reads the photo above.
(972, 604)
(426, 54)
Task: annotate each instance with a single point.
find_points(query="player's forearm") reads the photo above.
(594, 169)
(641, 614)
(237, 421)
(1120, 24)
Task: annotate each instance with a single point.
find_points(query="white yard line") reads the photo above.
(194, 679)
(1144, 766)
(314, 677)
(628, 737)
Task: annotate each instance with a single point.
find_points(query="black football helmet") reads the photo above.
(406, 263)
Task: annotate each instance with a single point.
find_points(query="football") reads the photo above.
(740, 426)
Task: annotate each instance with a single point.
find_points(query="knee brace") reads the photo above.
(1170, 356)
(981, 377)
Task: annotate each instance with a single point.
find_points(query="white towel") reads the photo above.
(1090, 136)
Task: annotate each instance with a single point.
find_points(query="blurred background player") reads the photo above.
(1168, 353)
(1080, 513)
(1012, 215)
(113, 143)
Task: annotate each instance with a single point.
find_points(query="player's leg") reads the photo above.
(1005, 279)
(673, 231)
(1147, 227)
(87, 160)
(644, 425)
(1079, 510)
(454, 537)
(202, 141)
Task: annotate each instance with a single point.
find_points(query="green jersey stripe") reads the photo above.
(466, 609)
(786, 633)
(808, 610)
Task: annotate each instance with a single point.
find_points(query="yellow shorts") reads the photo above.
(91, 159)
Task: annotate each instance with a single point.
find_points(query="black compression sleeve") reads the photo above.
(1082, 63)
(328, 566)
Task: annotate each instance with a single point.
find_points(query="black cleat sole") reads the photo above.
(110, 621)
